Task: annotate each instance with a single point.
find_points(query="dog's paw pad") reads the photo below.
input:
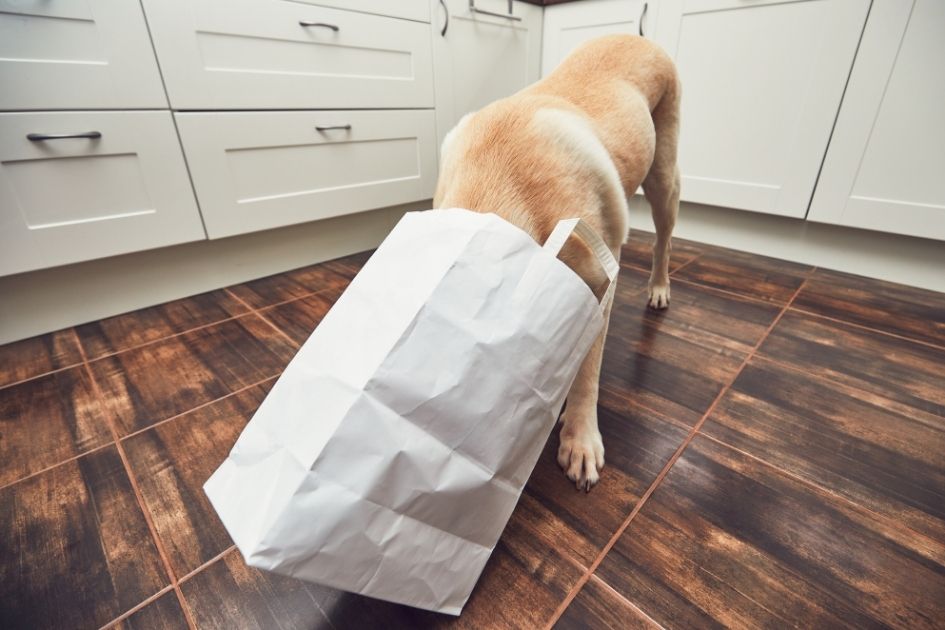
(582, 458)
(658, 296)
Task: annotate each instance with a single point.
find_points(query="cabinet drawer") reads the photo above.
(62, 54)
(272, 54)
(72, 199)
(418, 10)
(259, 170)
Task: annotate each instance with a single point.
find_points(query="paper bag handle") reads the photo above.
(563, 231)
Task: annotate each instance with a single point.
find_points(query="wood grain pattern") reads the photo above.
(149, 384)
(631, 286)
(75, 551)
(299, 318)
(729, 541)
(637, 444)
(853, 444)
(598, 605)
(745, 274)
(904, 372)
(291, 284)
(915, 313)
(31, 357)
(349, 266)
(121, 332)
(47, 420)
(676, 361)
(164, 613)
(172, 461)
(638, 251)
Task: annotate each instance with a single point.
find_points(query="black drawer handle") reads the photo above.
(320, 24)
(37, 137)
(346, 127)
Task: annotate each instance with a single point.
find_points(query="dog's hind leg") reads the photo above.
(661, 188)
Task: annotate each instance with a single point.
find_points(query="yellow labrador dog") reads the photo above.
(577, 143)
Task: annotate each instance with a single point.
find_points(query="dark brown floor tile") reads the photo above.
(631, 287)
(300, 317)
(895, 308)
(291, 284)
(727, 540)
(47, 420)
(598, 605)
(149, 384)
(905, 372)
(172, 461)
(31, 357)
(638, 251)
(149, 324)
(164, 613)
(75, 551)
(849, 442)
(747, 274)
(677, 361)
(349, 266)
(229, 594)
(637, 446)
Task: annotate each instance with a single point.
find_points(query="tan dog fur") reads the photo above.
(577, 143)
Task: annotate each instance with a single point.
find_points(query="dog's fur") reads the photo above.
(577, 143)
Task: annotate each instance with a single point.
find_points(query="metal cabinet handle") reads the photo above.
(37, 137)
(642, 15)
(446, 12)
(347, 127)
(508, 16)
(321, 24)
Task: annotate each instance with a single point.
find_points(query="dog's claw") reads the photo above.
(658, 296)
(582, 458)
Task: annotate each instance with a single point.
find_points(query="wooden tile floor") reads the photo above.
(775, 457)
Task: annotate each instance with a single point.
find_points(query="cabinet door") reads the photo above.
(62, 54)
(481, 58)
(885, 168)
(762, 82)
(566, 26)
(271, 54)
(260, 170)
(418, 10)
(65, 200)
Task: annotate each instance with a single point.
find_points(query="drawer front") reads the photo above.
(72, 199)
(418, 10)
(256, 54)
(66, 54)
(259, 170)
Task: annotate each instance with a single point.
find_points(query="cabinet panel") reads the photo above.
(59, 54)
(567, 26)
(418, 10)
(260, 170)
(762, 83)
(272, 54)
(72, 199)
(482, 58)
(884, 169)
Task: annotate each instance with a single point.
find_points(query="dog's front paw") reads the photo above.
(658, 295)
(581, 456)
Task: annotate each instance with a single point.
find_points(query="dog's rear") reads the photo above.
(577, 143)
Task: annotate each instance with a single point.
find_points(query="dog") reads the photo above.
(578, 143)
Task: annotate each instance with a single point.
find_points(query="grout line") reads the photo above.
(138, 606)
(41, 374)
(669, 464)
(603, 584)
(868, 328)
(206, 564)
(56, 465)
(741, 296)
(691, 260)
(200, 406)
(265, 319)
(162, 552)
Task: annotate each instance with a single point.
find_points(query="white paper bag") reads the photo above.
(391, 452)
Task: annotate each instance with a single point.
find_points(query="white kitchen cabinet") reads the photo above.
(62, 54)
(885, 168)
(65, 200)
(272, 54)
(479, 58)
(418, 10)
(762, 82)
(259, 170)
(566, 26)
